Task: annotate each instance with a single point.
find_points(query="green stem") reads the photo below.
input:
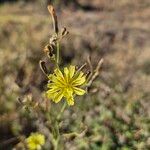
(57, 137)
(57, 53)
(61, 111)
(56, 147)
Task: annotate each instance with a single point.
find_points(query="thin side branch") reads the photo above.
(96, 73)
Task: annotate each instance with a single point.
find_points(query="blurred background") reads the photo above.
(117, 114)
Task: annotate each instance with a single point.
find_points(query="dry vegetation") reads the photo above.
(117, 114)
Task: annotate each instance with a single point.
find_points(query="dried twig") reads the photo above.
(9, 141)
(89, 63)
(81, 67)
(95, 73)
(75, 134)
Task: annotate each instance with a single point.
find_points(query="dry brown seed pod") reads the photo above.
(64, 32)
(54, 18)
(53, 40)
(43, 67)
(49, 50)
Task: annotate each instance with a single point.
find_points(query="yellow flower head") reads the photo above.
(65, 84)
(35, 141)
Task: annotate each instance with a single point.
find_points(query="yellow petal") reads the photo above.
(40, 138)
(71, 71)
(68, 92)
(59, 74)
(52, 95)
(50, 76)
(66, 72)
(53, 90)
(58, 97)
(51, 85)
(79, 81)
(70, 101)
(77, 76)
(79, 91)
(32, 146)
(57, 81)
(80, 74)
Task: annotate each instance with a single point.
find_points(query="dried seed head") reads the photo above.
(54, 18)
(43, 67)
(53, 40)
(64, 32)
(49, 49)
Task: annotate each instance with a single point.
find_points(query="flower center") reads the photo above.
(69, 86)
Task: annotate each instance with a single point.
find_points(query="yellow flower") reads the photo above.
(35, 141)
(65, 84)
